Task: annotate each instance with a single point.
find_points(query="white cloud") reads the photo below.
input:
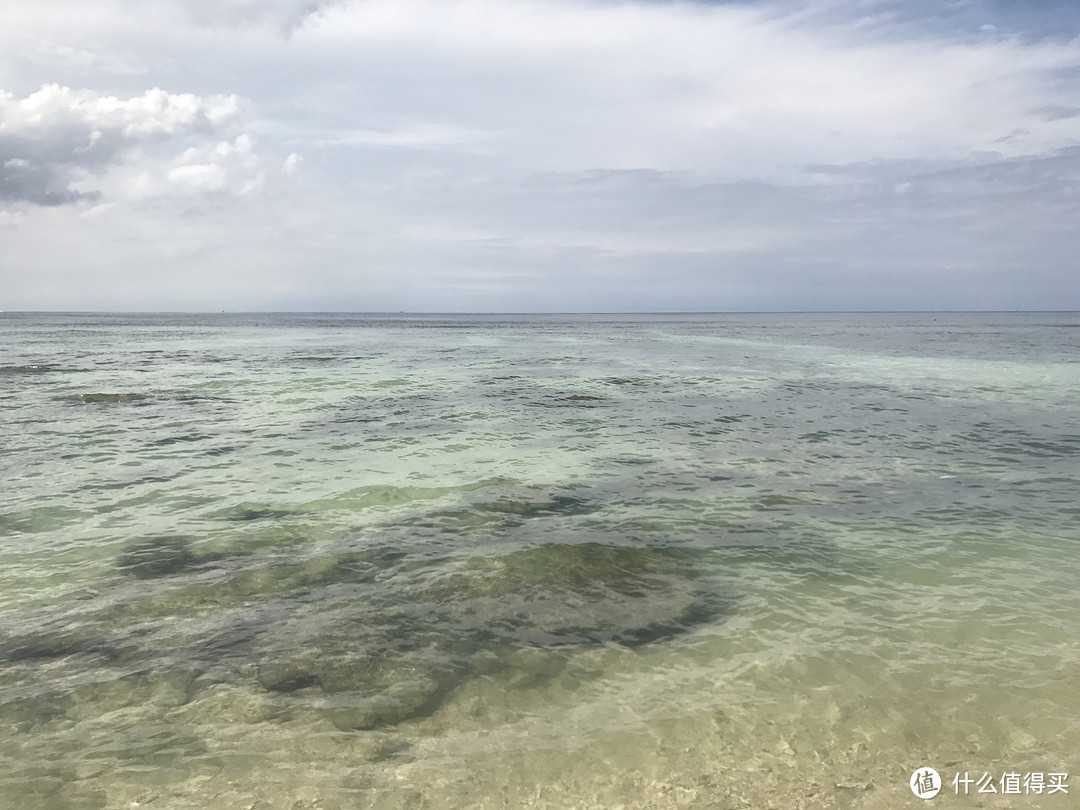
(222, 166)
(61, 145)
(61, 109)
(199, 176)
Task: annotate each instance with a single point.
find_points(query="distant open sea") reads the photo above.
(300, 561)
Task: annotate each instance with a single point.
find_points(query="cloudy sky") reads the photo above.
(539, 155)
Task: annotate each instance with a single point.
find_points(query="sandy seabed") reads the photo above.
(653, 727)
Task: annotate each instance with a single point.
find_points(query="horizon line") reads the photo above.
(388, 312)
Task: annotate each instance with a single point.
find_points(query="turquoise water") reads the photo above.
(333, 561)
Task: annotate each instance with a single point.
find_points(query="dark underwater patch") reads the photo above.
(99, 397)
(566, 593)
(246, 512)
(166, 441)
(573, 400)
(45, 644)
(158, 557)
(502, 514)
(382, 656)
(522, 507)
(371, 636)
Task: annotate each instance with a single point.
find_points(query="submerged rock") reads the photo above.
(381, 656)
(567, 594)
(369, 637)
(158, 557)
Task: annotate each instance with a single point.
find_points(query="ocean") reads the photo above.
(332, 561)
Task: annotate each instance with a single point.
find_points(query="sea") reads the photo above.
(300, 561)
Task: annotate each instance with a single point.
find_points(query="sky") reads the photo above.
(539, 155)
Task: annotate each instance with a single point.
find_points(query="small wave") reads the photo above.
(32, 368)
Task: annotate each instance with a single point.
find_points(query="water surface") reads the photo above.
(337, 561)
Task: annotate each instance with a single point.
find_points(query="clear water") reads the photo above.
(322, 561)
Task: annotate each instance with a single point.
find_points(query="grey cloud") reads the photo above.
(42, 172)
(964, 236)
(37, 183)
(967, 19)
(1057, 112)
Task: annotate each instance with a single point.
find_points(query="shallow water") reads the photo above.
(300, 561)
